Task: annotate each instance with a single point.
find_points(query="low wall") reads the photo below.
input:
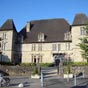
(26, 71)
(16, 70)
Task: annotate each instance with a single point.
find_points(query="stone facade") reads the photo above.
(25, 48)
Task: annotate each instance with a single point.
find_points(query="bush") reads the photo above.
(46, 64)
(76, 63)
(66, 63)
(6, 63)
(25, 64)
(79, 64)
(35, 71)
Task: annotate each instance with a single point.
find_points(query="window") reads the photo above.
(4, 35)
(82, 31)
(39, 47)
(3, 46)
(54, 47)
(41, 37)
(67, 46)
(67, 36)
(59, 47)
(33, 47)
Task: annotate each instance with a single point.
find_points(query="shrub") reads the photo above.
(76, 63)
(25, 64)
(6, 63)
(46, 64)
(35, 71)
(79, 64)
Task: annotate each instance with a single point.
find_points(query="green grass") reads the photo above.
(76, 63)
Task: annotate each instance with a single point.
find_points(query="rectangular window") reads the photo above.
(41, 37)
(67, 46)
(59, 47)
(39, 47)
(54, 47)
(4, 35)
(82, 31)
(33, 47)
(3, 46)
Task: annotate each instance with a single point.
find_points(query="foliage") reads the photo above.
(46, 64)
(41, 64)
(68, 69)
(35, 71)
(76, 63)
(65, 63)
(6, 63)
(25, 64)
(84, 45)
(79, 64)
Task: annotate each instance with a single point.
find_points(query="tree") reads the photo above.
(84, 44)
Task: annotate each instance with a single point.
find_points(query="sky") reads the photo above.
(23, 11)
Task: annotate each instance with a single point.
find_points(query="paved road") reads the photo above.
(51, 80)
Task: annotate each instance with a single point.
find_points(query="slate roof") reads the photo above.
(80, 19)
(8, 25)
(53, 29)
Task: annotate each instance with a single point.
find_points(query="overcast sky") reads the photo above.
(22, 11)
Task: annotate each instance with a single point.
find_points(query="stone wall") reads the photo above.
(26, 71)
(16, 70)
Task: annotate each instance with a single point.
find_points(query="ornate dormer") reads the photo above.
(67, 36)
(41, 37)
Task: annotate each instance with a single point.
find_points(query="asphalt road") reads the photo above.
(51, 80)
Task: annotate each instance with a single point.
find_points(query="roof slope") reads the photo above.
(53, 29)
(80, 19)
(8, 25)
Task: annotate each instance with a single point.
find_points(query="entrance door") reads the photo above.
(59, 57)
(35, 60)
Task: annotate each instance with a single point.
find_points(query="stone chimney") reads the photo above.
(28, 27)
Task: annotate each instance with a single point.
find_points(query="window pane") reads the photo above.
(67, 46)
(59, 47)
(33, 47)
(54, 47)
(82, 31)
(39, 47)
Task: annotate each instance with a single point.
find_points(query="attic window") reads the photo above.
(41, 37)
(67, 36)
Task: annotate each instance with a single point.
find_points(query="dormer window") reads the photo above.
(41, 37)
(67, 36)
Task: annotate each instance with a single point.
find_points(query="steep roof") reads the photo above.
(80, 19)
(8, 25)
(53, 29)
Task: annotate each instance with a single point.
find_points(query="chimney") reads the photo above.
(28, 27)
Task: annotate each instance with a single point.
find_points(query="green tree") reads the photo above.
(84, 44)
